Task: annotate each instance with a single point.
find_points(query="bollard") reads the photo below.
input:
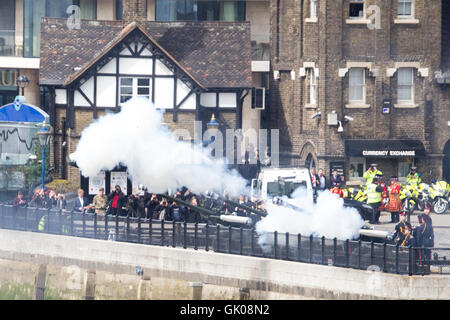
(144, 290)
(39, 283)
(196, 290)
(89, 285)
(244, 294)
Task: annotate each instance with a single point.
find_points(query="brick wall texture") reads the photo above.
(331, 43)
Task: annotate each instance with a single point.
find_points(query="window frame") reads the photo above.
(135, 88)
(363, 85)
(313, 9)
(403, 16)
(405, 102)
(312, 87)
(363, 2)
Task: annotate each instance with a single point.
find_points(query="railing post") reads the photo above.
(347, 253)
(241, 241)
(14, 214)
(252, 241)
(384, 257)
(127, 229)
(229, 239)
(84, 223)
(334, 251)
(60, 225)
(162, 232)
(195, 235)
(275, 244)
(359, 254)
(116, 218)
(311, 248)
(410, 256)
(323, 250)
(396, 258)
(174, 224)
(299, 246)
(206, 237)
(287, 245)
(185, 235)
(1, 215)
(72, 227)
(47, 225)
(106, 227)
(139, 229)
(218, 238)
(36, 218)
(371, 252)
(95, 225)
(150, 230)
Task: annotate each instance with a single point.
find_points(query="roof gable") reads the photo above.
(213, 55)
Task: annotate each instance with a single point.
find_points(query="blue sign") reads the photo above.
(19, 111)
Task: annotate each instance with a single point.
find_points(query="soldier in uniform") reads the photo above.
(100, 202)
(400, 234)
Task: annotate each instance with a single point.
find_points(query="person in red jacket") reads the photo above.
(337, 191)
(384, 193)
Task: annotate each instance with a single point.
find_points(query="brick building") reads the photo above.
(355, 82)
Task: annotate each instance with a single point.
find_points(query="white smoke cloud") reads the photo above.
(136, 138)
(328, 217)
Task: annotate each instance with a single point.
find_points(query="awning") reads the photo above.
(384, 148)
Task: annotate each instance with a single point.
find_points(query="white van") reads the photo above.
(273, 182)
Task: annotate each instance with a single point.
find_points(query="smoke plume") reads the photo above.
(328, 217)
(136, 138)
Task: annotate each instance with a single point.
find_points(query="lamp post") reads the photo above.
(213, 125)
(44, 137)
(22, 82)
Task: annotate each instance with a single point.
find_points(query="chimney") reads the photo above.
(134, 11)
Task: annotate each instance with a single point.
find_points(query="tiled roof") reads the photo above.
(214, 54)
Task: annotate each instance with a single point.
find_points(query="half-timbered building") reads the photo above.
(192, 70)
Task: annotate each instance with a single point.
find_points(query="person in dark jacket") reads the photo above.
(401, 231)
(151, 206)
(176, 212)
(116, 201)
(136, 205)
(335, 180)
(424, 237)
(322, 180)
(19, 201)
(163, 210)
(81, 203)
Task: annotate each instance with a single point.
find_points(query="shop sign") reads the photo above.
(390, 153)
(8, 78)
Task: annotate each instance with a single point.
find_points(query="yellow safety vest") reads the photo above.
(372, 195)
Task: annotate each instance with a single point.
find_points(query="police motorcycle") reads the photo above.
(438, 194)
(422, 196)
(409, 197)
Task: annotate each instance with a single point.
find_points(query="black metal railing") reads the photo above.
(292, 247)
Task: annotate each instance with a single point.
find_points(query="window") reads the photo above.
(134, 87)
(200, 10)
(119, 9)
(356, 168)
(313, 9)
(405, 8)
(356, 10)
(34, 10)
(357, 85)
(7, 27)
(312, 87)
(405, 85)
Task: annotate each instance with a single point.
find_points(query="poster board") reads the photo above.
(97, 182)
(119, 178)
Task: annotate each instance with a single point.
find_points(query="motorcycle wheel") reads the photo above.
(420, 205)
(440, 206)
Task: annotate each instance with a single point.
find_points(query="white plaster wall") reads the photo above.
(135, 66)
(106, 91)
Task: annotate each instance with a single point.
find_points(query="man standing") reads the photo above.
(117, 200)
(401, 234)
(371, 173)
(335, 179)
(374, 199)
(395, 205)
(322, 180)
(413, 177)
(81, 203)
(100, 202)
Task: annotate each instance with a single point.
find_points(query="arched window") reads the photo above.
(309, 162)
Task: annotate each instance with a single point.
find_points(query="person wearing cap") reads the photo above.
(100, 202)
(371, 173)
(427, 212)
(394, 205)
(401, 228)
(413, 177)
(374, 199)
